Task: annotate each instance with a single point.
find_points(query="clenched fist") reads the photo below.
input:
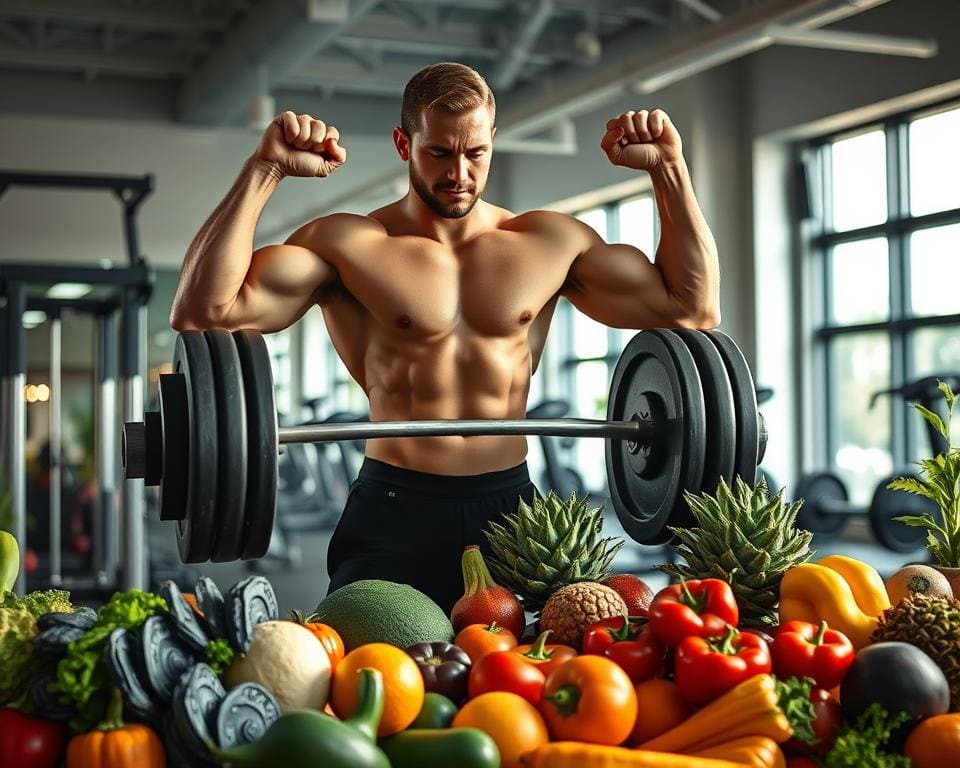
(300, 145)
(642, 140)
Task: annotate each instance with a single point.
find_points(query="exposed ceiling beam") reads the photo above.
(636, 67)
(121, 14)
(702, 9)
(857, 42)
(515, 56)
(88, 61)
(445, 47)
(278, 36)
(606, 10)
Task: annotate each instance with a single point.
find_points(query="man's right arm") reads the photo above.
(224, 282)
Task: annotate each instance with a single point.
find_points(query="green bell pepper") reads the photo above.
(437, 712)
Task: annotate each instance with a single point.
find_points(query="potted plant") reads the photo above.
(939, 482)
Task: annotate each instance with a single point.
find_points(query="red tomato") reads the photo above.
(506, 671)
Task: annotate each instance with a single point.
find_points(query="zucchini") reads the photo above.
(437, 712)
(441, 748)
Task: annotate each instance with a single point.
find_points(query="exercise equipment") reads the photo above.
(826, 508)
(119, 316)
(656, 435)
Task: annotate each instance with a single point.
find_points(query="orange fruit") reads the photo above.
(659, 708)
(402, 685)
(511, 721)
(935, 742)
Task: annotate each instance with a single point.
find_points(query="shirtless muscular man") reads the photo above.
(439, 304)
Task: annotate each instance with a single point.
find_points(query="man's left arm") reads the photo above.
(617, 284)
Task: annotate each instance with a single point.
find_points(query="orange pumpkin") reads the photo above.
(935, 742)
(589, 698)
(129, 745)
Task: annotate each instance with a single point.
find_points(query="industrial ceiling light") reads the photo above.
(33, 317)
(68, 290)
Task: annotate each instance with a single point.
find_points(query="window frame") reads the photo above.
(819, 240)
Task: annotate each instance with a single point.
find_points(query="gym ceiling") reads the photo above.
(228, 62)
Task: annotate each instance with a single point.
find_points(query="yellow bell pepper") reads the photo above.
(846, 593)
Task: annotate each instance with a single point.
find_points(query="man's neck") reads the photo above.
(427, 223)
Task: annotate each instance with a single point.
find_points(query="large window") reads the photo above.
(885, 248)
(588, 350)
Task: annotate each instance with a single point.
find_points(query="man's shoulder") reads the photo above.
(541, 222)
(335, 226)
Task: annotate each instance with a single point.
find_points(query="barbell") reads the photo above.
(681, 415)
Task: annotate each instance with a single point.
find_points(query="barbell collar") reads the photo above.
(637, 430)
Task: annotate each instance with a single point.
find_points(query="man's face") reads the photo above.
(450, 160)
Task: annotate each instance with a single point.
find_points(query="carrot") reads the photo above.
(749, 709)
(755, 751)
(576, 754)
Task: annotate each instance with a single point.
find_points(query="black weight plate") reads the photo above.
(721, 413)
(196, 703)
(175, 471)
(210, 602)
(246, 713)
(888, 504)
(814, 489)
(249, 602)
(231, 445)
(56, 639)
(184, 619)
(82, 618)
(745, 403)
(166, 656)
(179, 754)
(261, 503)
(46, 702)
(191, 357)
(124, 662)
(656, 378)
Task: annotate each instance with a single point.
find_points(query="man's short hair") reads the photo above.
(454, 88)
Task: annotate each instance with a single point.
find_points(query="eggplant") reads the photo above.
(166, 656)
(184, 619)
(445, 669)
(900, 678)
(211, 605)
(249, 602)
(122, 655)
(196, 702)
(245, 714)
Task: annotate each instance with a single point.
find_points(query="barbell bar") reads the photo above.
(215, 436)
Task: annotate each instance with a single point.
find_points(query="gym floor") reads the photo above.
(303, 585)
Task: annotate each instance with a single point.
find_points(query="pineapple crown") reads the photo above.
(552, 543)
(745, 537)
(745, 519)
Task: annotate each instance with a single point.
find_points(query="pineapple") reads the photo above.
(548, 546)
(748, 539)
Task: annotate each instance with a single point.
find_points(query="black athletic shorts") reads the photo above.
(411, 527)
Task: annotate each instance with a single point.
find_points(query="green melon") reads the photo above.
(376, 611)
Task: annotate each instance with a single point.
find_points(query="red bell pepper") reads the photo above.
(707, 667)
(30, 742)
(506, 671)
(545, 657)
(699, 607)
(631, 645)
(802, 649)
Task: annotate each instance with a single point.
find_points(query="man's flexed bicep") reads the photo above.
(617, 285)
(281, 285)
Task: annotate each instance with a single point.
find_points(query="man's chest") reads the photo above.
(493, 286)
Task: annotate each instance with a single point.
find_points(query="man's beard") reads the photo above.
(455, 210)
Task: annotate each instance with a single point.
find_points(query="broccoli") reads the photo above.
(18, 627)
(39, 602)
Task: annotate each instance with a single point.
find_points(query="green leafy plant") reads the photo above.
(940, 482)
